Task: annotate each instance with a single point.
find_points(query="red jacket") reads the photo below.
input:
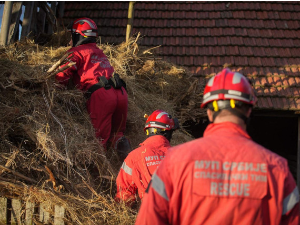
(139, 166)
(91, 63)
(223, 178)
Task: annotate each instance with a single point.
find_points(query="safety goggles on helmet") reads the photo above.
(228, 85)
(83, 26)
(160, 121)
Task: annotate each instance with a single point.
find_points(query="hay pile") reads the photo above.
(48, 149)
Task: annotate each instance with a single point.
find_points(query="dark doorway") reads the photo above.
(279, 134)
(276, 133)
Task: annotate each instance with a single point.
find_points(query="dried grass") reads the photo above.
(47, 141)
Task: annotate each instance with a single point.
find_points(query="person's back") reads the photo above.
(106, 97)
(222, 178)
(139, 166)
(225, 183)
(91, 63)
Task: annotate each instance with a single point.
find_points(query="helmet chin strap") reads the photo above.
(157, 131)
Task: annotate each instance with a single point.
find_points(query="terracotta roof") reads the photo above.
(259, 39)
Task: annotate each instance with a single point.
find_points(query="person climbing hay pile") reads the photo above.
(91, 72)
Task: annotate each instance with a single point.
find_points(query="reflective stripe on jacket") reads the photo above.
(138, 167)
(91, 63)
(223, 178)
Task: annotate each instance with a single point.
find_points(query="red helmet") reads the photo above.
(161, 119)
(85, 27)
(228, 85)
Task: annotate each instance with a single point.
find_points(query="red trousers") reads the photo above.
(108, 113)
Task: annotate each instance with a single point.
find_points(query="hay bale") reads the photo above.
(47, 140)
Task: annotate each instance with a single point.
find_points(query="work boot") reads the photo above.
(123, 148)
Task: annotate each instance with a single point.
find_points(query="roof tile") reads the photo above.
(241, 32)
(292, 103)
(250, 41)
(210, 41)
(297, 103)
(285, 15)
(278, 33)
(287, 7)
(233, 23)
(253, 32)
(259, 103)
(266, 6)
(216, 31)
(269, 24)
(280, 24)
(263, 42)
(223, 40)
(285, 52)
(232, 50)
(250, 15)
(285, 103)
(241, 61)
(229, 60)
(208, 7)
(296, 42)
(226, 14)
(238, 14)
(198, 60)
(259, 51)
(200, 41)
(245, 51)
(236, 40)
(220, 6)
(262, 15)
(288, 43)
(281, 61)
(203, 31)
(221, 23)
(292, 24)
(229, 31)
(286, 91)
(254, 61)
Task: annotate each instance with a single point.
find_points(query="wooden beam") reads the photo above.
(33, 25)
(59, 214)
(16, 211)
(5, 22)
(60, 9)
(130, 20)
(298, 155)
(15, 21)
(44, 212)
(53, 8)
(29, 211)
(59, 19)
(27, 19)
(41, 16)
(3, 210)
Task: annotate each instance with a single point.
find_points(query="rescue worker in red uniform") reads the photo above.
(140, 164)
(107, 99)
(224, 177)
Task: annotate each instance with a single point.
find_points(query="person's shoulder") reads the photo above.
(271, 157)
(193, 144)
(135, 154)
(186, 151)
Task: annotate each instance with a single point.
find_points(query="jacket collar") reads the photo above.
(156, 140)
(225, 127)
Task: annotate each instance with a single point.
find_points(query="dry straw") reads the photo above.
(48, 148)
